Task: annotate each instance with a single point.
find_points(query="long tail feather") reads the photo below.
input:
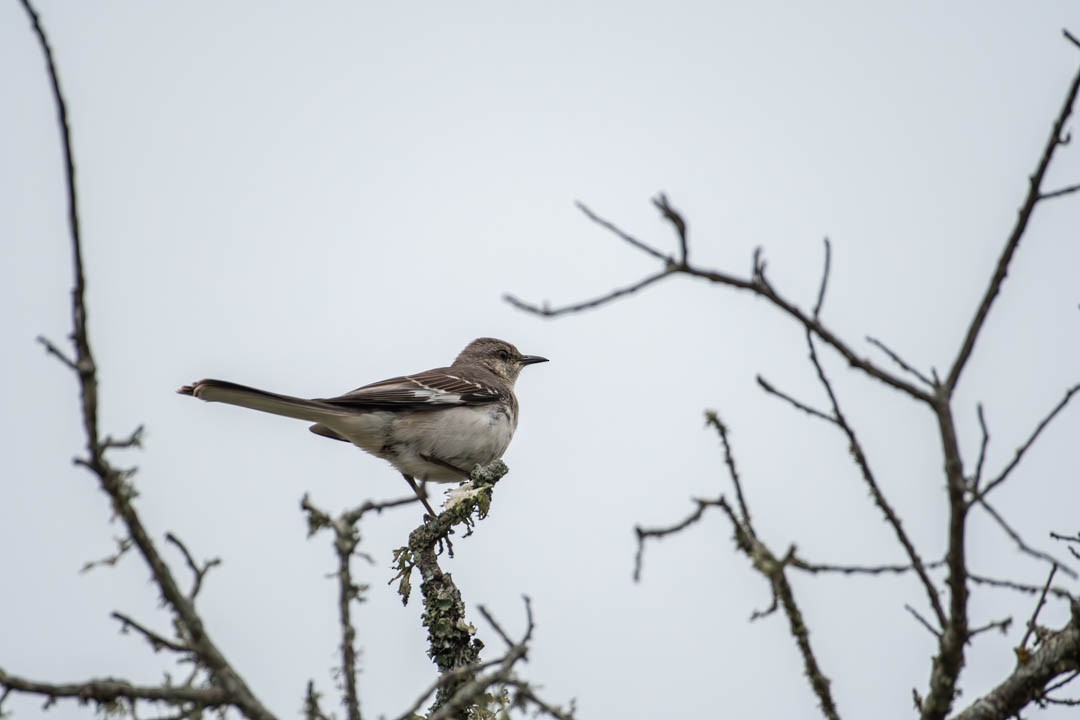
(233, 394)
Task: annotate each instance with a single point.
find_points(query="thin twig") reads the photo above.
(644, 533)
(1060, 192)
(1038, 608)
(229, 687)
(824, 280)
(711, 418)
(545, 311)
(876, 493)
(1020, 451)
(982, 448)
(923, 621)
(899, 361)
(610, 226)
(1034, 195)
(157, 641)
(798, 405)
(766, 563)
(1023, 546)
(677, 221)
(815, 568)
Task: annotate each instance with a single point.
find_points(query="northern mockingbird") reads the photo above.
(435, 425)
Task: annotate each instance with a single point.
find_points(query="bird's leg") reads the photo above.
(421, 495)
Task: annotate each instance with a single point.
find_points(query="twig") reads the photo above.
(199, 571)
(312, 709)
(587, 304)
(757, 284)
(1057, 654)
(729, 459)
(607, 225)
(876, 493)
(229, 688)
(1060, 192)
(1070, 542)
(108, 690)
(899, 360)
(156, 640)
(1022, 649)
(1000, 625)
(766, 563)
(1034, 195)
(982, 449)
(815, 568)
(677, 221)
(923, 621)
(1020, 451)
(1023, 546)
(1058, 592)
(123, 545)
(824, 280)
(811, 411)
(644, 533)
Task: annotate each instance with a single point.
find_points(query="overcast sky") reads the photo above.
(310, 197)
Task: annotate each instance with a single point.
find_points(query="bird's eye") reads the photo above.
(504, 356)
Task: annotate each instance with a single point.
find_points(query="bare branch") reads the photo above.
(229, 686)
(134, 440)
(643, 533)
(824, 280)
(811, 411)
(197, 570)
(56, 352)
(608, 225)
(546, 311)
(1023, 546)
(677, 221)
(816, 568)
(1021, 650)
(1034, 195)
(109, 690)
(899, 361)
(312, 709)
(1069, 189)
(923, 621)
(982, 449)
(766, 563)
(156, 640)
(1058, 592)
(1070, 542)
(1004, 474)
(875, 490)
(713, 419)
(1001, 626)
(1058, 654)
(123, 545)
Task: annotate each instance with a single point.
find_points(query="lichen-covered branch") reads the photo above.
(228, 688)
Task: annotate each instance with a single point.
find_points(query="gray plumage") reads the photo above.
(435, 425)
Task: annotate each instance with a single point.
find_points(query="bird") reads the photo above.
(433, 426)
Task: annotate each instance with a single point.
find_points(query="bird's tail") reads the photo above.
(263, 401)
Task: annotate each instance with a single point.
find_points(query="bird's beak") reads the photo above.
(531, 360)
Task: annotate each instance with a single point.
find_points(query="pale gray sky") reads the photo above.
(310, 197)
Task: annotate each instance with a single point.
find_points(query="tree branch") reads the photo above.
(108, 690)
(1034, 195)
(113, 481)
(1058, 654)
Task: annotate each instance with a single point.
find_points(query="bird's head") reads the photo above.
(498, 356)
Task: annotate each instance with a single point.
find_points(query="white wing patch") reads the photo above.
(434, 395)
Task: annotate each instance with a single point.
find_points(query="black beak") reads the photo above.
(531, 360)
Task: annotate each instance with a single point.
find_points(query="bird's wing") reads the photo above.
(443, 387)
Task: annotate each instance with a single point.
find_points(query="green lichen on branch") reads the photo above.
(452, 644)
